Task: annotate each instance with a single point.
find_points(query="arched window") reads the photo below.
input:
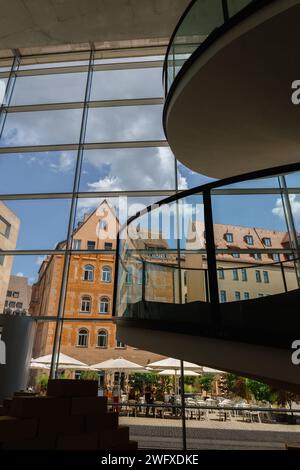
(88, 274)
(129, 275)
(102, 339)
(104, 305)
(86, 304)
(83, 335)
(106, 274)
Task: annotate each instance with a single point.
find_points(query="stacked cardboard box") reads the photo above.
(70, 417)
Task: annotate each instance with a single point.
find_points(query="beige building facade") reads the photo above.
(9, 230)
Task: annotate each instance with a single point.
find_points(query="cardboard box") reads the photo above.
(112, 438)
(88, 405)
(27, 407)
(37, 443)
(13, 429)
(99, 422)
(72, 388)
(87, 441)
(61, 425)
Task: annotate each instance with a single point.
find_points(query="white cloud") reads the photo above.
(295, 204)
(39, 260)
(134, 169)
(2, 90)
(66, 162)
(20, 274)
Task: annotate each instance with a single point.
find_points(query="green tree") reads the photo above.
(259, 390)
(206, 381)
(89, 375)
(140, 381)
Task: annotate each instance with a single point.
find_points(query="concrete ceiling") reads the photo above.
(40, 23)
(232, 111)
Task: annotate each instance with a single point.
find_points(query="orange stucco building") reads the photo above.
(89, 333)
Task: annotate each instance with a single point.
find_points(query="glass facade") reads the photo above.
(81, 149)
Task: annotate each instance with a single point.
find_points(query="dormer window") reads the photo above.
(249, 239)
(229, 237)
(103, 225)
(267, 241)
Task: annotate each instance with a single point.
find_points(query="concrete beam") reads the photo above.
(41, 23)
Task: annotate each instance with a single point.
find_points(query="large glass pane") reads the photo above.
(189, 179)
(3, 83)
(55, 88)
(127, 84)
(255, 224)
(41, 128)
(234, 6)
(48, 172)
(128, 169)
(34, 224)
(125, 124)
(203, 17)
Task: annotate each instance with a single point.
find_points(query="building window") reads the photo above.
(102, 339)
(129, 276)
(107, 246)
(244, 275)
(76, 244)
(246, 296)
(260, 295)
(106, 274)
(12, 304)
(276, 257)
(221, 273)
(2, 257)
(91, 245)
(119, 344)
(185, 298)
(140, 277)
(235, 275)
(88, 273)
(185, 278)
(16, 295)
(266, 277)
(86, 304)
(4, 227)
(19, 305)
(257, 256)
(257, 276)
(104, 305)
(6, 303)
(83, 335)
(237, 296)
(9, 293)
(103, 225)
(249, 239)
(267, 241)
(235, 255)
(228, 237)
(223, 297)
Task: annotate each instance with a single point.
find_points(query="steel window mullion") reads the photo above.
(9, 91)
(65, 275)
(86, 146)
(80, 105)
(87, 195)
(84, 68)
